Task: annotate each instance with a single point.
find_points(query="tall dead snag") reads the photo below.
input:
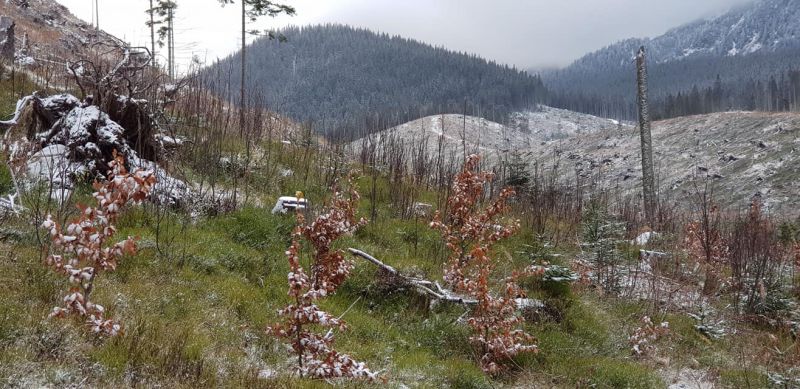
(470, 233)
(648, 174)
(315, 356)
(83, 249)
(252, 10)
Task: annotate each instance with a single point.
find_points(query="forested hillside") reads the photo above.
(745, 59)
(346, 80)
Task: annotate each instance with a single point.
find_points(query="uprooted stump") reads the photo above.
(77, 140)
(140, 129)
(36, 114)
(90, 133)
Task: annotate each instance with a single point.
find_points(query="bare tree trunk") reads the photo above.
(152, 35)
(171, 45)
(244, 69)
(464, 131)
(648, 175)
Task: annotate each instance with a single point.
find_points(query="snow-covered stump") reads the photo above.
(37, 114)
(141, 130)
(90, 136)
(125, 125)
(77, 140)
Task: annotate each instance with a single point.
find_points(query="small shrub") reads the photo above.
(82, 248)
(757, 260)
(705, 242)
(316, 357)
(602, 236)
(470, 234)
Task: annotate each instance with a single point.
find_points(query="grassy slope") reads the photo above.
(195, 309)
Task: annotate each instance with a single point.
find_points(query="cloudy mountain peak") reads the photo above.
(750, 44)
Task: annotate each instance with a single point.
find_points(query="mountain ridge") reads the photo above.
(344, 79)
(754, 43)
(756, 24)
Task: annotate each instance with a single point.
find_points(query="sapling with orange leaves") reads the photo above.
(470, 234)
(316, 357)
(81, 251)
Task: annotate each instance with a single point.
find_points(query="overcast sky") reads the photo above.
(525, 33)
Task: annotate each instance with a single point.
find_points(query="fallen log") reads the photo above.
(422, 286)
(427, 287)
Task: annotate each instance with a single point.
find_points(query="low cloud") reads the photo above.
(523, 33)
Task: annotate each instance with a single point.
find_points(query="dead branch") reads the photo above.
(422, 286)
(427, 287)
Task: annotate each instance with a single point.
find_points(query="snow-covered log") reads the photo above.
(422, 286)
(426, 287)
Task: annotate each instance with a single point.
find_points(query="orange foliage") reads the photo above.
(315, 355)
(470, 234)
(83, 249)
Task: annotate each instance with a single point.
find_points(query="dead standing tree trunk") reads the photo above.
(648, 175)
(244, 70)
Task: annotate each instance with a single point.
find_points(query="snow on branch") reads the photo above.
(316, 357)
(470, 233)
(81, 253)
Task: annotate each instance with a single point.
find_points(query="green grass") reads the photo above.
(195, 314)
(6, 183)
(743, 378)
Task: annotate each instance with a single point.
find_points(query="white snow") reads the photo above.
(24, 60)
(55, 102)
(9, 203)
(752, 46)
(170, 88)
(733, 51)
(644, 238)
(167, 140)
(167, 190)
(51, 164)
(266, 373)
(60, 195)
